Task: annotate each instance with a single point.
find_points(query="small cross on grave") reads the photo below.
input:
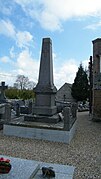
(2, 92)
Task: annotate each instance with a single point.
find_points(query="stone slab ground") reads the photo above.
(31, 169)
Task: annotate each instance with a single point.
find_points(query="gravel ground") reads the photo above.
(84, 151)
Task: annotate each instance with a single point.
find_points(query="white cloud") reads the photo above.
(24, 65)
(22, 38)
(7, 28)
(5, 59)
(85, 64)
(6, 8)
(12, 53)
(66, 72)
(9, 78)
(94, 26)
(49, 21)
(51, 13)
(27, 66)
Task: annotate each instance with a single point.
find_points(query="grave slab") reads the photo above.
(21, 169)
(31, 169)
(54, 135)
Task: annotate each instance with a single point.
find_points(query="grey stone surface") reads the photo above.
(17, 109)
(31, 169)
(96, 108)
(2, 108)
(30, 106)
(54, 135)
(61, 171)
(70, 117)
(7, 115)
(45, 90)
(24, 110)
(21, 169)
(38, 118)
(2, 93)
(67, 118)
(5, 112)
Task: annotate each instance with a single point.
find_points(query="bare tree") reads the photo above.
(22, 82)
(31, 85)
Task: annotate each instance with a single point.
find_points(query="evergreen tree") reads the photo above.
(80, 87)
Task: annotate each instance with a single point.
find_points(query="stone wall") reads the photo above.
(96, 79)
(97, 104)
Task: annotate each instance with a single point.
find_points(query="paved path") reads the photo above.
(84, 151)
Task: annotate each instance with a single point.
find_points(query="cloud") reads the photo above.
(12, 53)
(27, 66)
(7, 28)
(22, 38)
(5, 59)
(9, 78)
(5, 8)
(51, 13)
(24, 65)
(66, 72)
(94, 26)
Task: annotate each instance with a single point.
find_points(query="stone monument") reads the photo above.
(45, 109)
(45, 121)
(45, 90)
(97, 79)
(2, 93)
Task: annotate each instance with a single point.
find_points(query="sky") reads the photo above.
(71, 25)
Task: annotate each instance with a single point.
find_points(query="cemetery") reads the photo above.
(42, 119)
(48, 137)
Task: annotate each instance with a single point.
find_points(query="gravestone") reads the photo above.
(2, 93)
(70, 117)
(5, 114)
(27, 109)
(17, 110)
(30, 105)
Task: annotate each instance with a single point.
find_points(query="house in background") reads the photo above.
(64, 93)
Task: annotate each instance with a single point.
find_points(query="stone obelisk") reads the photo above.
(45, 90)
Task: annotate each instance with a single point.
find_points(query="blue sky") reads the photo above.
(71, 24)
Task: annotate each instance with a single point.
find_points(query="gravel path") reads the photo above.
(84, 151)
